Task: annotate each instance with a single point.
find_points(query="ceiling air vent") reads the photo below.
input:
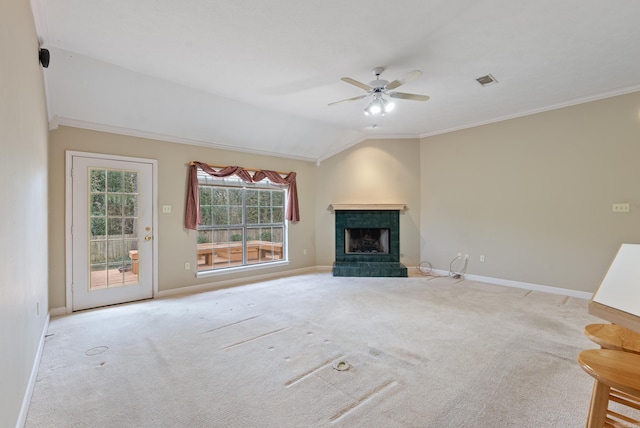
(487, 80)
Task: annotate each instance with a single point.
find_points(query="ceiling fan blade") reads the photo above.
(356, 83)
(404, 79)
(359, 97)
(405, 96)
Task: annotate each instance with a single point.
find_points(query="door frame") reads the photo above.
(68, 197)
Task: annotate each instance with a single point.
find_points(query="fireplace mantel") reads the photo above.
(367, 207)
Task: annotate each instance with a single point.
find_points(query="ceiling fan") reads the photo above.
(379, 87)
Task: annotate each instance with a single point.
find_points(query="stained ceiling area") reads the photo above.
(258, 76)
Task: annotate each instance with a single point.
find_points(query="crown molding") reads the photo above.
(81, 124)
(570, 103)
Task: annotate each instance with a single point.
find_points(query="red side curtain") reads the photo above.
(192, 211)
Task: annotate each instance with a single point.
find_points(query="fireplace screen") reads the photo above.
(366, 240)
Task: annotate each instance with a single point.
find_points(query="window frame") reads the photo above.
(251, 248)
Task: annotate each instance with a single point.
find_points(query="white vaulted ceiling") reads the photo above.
(256, 76)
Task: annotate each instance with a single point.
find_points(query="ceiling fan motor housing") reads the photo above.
(378, 85)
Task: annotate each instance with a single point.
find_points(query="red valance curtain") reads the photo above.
(192, 211)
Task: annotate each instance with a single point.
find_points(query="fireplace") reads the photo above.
(368, 240)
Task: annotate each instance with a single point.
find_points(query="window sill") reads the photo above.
(210, 273)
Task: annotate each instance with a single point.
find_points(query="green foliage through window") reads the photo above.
(113, 218)
(240, 225)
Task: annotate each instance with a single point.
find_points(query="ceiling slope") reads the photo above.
(258, 76)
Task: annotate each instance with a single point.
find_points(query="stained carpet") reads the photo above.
(319, 351)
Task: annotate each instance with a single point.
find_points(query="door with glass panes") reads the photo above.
(112, 231)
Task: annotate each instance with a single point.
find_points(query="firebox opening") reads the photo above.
(366, 240)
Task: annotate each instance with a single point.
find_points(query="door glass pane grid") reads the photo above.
(113, 228)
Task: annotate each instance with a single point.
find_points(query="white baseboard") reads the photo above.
(26, 400)
(523, 285)
(235, 282)
(412, 271)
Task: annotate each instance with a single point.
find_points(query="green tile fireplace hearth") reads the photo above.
(368, 243)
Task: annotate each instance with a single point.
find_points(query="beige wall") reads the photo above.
(176, 244)
(23, 219)
(374, 171)
(534, 195)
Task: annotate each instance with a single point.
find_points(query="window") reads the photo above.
(241, 224)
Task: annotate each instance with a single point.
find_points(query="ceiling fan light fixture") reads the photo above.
(379, 106)
(373, 109)
(376, 89)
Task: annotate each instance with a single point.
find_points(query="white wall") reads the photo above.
(196, 115)
(23, 195)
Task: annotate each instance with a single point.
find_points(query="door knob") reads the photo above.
(147, 238)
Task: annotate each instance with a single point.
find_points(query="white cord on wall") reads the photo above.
(453, 273)
(426, 269)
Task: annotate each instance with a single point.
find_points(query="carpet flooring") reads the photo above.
(321, 351)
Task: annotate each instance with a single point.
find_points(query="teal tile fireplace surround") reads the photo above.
(379, 264)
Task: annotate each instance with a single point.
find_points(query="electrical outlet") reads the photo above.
(482, 258)
(459, 255)
(166, 209)
(621, 208)
(304, 252)
(187, 266)
(466, 257)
